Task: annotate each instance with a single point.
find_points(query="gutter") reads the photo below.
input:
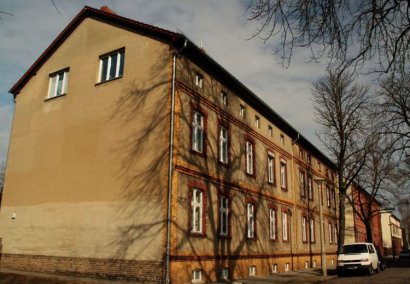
(170, 169)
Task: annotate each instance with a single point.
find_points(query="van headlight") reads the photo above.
(364, 260)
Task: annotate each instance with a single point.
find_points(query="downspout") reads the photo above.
(294, 197)
(170, 169)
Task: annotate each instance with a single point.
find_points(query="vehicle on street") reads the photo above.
(357, 257)
(404, 254)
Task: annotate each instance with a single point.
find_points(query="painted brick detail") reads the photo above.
(140, 271)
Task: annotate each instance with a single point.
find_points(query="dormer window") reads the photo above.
(111, 66)
(58, 83)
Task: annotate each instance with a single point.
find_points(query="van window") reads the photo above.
(352, 249)
(370, 249)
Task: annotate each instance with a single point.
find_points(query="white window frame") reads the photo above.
(283, 170)
(286, 267)
(223, 144)
(271, 167)
(270, 131)
(120, 59)
(257, 121)
(312, 230)
(252, 270)
(197, 203)
(224, 98)
(272, 224)
(224, 216)
(285, 236)
(275, 268)
(250, 219)
(302, 183)
(199, 80)
(196, 275)
(310, 187)
(329, 227)
(197, 132)
(53, 85)
(282, 139)
(242, 111)
(304, 229)
(225, 273)
(249, 157)
(328, 196)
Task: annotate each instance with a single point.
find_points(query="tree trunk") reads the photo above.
(369, 235)
(341, 232)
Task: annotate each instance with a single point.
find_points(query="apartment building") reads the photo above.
(135, 155)
(355, 229)
(392, 234)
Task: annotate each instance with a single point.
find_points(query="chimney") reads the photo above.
(107, 10)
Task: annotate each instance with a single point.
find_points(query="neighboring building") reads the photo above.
(90, 180)
(392, 234)
(355, 229)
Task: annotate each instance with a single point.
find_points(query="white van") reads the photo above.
(357, 257)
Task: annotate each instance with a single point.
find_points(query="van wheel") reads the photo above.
(371, 271)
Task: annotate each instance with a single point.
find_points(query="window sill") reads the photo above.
(55, 97)
(110, 80)
(197, 235)
(199, 154)
(251, 175)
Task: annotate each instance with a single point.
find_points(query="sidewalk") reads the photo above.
(301, 276)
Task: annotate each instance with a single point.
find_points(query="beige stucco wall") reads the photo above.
(86, 171)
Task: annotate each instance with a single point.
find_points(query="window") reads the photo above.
(287, 267)
(250, 221)
(301, 154)
(334, 197)
(111, 66)
(242, 111)
(199, 80)
(282, 139)
(224, 216)
(330, 232)
(310, 187)
(252, 270)
(196, 275)
(271, 168)
(312, 230)
(224, 98)
(284, 225)
(223, 144)
(249, 158)
(224, 274)
(314, 264)
(58, 83)
(283, 181)
(335, 234)
(272, 224)
(302, 183)
(257, 122)
(319, 166)
(197, 211)
(270, 131)
(304, 229)
(198, 132)
(309, 159)
(328, 196)
(275, 268)
(306, 264)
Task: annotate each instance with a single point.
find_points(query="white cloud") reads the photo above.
(221, 26)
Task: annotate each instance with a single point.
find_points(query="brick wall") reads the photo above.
(141, 271)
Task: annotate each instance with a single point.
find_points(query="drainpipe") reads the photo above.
(170, 169)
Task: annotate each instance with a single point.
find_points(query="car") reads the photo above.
(404, 254)
(357, 257)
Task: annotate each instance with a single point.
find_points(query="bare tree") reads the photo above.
(340, 109)
(395, 111)
(349, 32)
(374, 180)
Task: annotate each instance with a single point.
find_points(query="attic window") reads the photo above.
(111, 65)
(58, 83)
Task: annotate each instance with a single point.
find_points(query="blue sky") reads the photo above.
(221, 26)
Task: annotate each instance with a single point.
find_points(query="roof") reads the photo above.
(192, 51)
